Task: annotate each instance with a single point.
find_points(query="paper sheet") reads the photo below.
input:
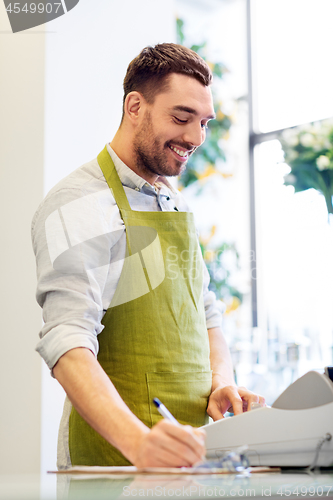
(159, 470)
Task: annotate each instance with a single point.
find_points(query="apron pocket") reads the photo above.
(185, 394)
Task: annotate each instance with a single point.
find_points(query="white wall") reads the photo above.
(79, 88)
(21, 188)
(86, 61)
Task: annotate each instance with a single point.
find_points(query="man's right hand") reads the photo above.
(170, 445)
(96, 399)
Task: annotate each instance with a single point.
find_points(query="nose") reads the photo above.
(194, 134)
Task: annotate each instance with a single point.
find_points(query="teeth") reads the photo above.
(178, 151)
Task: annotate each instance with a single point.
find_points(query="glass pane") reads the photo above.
(292, 54)
(295, 273)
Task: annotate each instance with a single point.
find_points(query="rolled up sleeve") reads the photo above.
(65, 328)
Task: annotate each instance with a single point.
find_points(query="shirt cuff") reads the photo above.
(63, 338)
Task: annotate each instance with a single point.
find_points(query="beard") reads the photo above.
(152, 156)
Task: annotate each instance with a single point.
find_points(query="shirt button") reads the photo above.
(168, 198)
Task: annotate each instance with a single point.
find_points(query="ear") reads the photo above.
(133, 107)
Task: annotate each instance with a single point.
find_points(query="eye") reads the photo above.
(178, 120)
(204, 126)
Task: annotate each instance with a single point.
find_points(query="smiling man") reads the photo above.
(124, 290)
(167, 130)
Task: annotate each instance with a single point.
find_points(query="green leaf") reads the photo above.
(307, 176)
(179, 31)
(198, 49)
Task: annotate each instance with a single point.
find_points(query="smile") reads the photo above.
(180, 152)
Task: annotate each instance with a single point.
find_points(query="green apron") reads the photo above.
(155, 341)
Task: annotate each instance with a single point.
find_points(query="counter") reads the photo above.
(292, 483)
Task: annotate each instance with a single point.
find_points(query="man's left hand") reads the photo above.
(231, 398)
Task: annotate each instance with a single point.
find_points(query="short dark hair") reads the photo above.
(148, 71)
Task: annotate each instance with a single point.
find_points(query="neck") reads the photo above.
(122, 145)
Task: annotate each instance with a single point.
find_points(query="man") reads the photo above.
(121, 279)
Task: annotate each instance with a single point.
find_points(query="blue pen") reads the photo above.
(164, 411)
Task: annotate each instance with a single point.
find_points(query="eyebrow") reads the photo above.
(192, 111)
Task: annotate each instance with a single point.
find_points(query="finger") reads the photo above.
(195, 440)
(161, 449)
(262, 401)
(159, 454)
(184, 441)
(236, 402)
(175, 457)
(244, 392)
(250, 397)
(214, 412)
(200, 437)
(201, 434)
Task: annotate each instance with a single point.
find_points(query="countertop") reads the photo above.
(287, 483)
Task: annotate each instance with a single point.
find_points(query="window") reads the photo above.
(291, 84)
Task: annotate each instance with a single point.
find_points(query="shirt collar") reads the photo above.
(134, 181)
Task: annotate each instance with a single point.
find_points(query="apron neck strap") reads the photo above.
(112, 178)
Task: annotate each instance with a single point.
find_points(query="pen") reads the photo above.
(163, 410)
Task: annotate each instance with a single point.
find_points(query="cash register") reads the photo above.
(296, 431)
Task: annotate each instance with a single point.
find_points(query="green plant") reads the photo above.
(220, 270)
